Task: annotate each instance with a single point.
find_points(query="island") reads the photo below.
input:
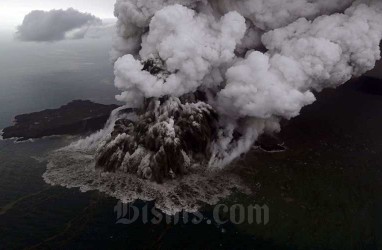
(74, 118)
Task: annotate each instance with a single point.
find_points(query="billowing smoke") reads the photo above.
(203, 79)
(55, 25)
(213, 47)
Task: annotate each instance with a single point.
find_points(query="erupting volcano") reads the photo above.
(202, 80)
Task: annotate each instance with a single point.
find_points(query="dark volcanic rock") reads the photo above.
(169, 135)
(74, 118)
(270, 143)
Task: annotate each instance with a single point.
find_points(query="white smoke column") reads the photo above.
(134, 16)
(191, 46)
(271, 14)
(210, 46)
(255, 62)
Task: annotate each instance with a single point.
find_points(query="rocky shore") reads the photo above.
(76, 117)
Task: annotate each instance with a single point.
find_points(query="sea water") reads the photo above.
(37, 76)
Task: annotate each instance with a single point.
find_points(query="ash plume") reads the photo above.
(55, 25)
(309, 45)
(202, 80)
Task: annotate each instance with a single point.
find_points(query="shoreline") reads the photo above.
(78, 117)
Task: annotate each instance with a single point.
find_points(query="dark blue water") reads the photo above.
(37, 76)
(34, 214)
(323, 193)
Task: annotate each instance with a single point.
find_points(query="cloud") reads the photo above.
(307, 46)
(56, 25)
(208, 78)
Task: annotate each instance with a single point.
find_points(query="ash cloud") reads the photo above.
(56, 25)
(213, 46)
(204, 79)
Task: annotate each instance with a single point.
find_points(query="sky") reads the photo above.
(12, 12)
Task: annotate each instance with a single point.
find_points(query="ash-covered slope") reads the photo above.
(170, 137)
(157, 153)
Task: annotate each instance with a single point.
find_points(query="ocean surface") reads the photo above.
(33, 214)
(36, 76)
(324, 192)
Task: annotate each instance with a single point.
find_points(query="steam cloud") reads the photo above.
(208, 77)
(213, 46)
(55, 25)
